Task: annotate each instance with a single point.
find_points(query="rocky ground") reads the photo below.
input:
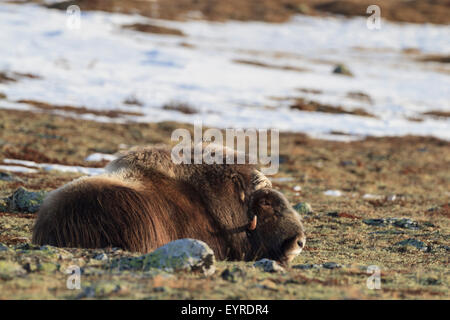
(378, 202)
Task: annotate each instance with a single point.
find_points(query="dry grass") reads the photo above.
(269, 66)
(313, 106)
(79, 110)
(417, 11)
(149, 28)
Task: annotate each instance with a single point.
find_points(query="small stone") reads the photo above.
(101, 257)
(303, 208)
(405, 223)
(233, 275)
(6, 176)
(333, 193)
(268, 265)
(392, 197)
(307, 266)
(333, 214)
(331, 265)
(343, 70)
(88, 292)
(414, 243)
(374, 222)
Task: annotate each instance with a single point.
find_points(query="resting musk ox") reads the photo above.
(146, 201)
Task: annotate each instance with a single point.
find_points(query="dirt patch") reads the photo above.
(6, 77)
(417, 11)
(313, 106)
(150, 28)
(437, 114)
(180, 107)
(360, 96)
(311, 91)
(26, 153)
(133, 101)
(436, 58)
(269, 66)
(79, 110)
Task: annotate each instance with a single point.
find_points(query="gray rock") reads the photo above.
(188, 255)
(343, 70)
(268, 265)
(331, 265)
(307, 266)
(375, 222)
(233, 275)
(23, 200)
(6, 176)
(405, 223)
(101, 257)
(333, 214)
(303, 208)
(414, 243)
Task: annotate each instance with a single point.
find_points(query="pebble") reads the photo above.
(303, 208)
(268, 265)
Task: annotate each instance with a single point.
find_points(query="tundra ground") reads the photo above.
(341, 242)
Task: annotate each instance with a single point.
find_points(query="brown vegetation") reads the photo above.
(313, 106)
(270, 66)
(150, 28)
(417, 11)
(79, 110)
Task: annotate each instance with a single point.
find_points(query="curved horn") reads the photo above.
(260, 181)
(252, 225)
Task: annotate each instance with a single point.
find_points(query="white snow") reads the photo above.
(17, 169)
(51, 166)
(100, 157)
(100, 65)
(333, 193)
(372, 196)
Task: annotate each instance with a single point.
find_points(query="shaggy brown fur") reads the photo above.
(146, 201)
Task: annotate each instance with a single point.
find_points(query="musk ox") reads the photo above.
(145, 201)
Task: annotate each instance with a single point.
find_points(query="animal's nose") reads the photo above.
(301, 242)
